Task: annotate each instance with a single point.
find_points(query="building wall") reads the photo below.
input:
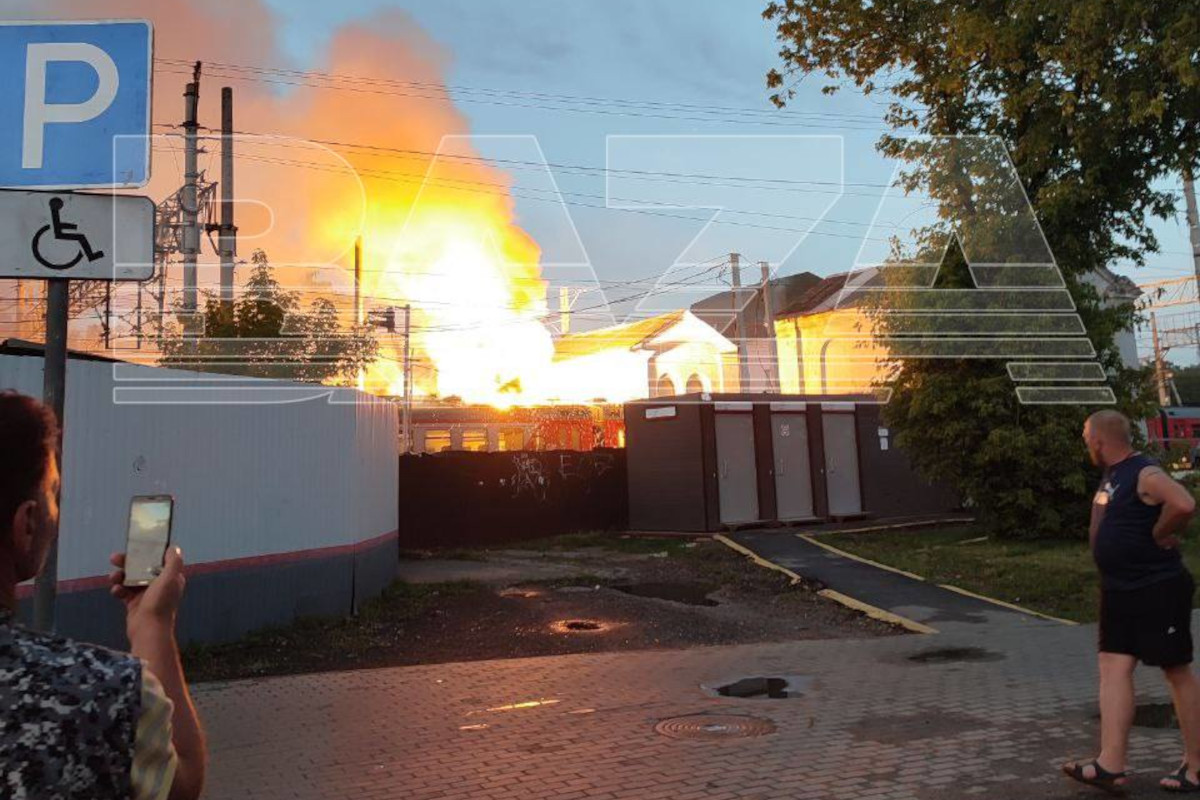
(281, 509)
(665, 463)
(829, 352)
(891, 486)
(683, 361)
(671, 461)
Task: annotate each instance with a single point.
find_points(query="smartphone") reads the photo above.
(148, 538)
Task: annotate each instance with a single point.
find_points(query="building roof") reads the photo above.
(21, 347)
(679, 326)
(1114, 286)
(828, 293)
(718, 310)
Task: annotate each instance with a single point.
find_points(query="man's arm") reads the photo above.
(150, 625)
(1156, 487)
(1097, 515)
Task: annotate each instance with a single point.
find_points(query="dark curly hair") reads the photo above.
(28, 437)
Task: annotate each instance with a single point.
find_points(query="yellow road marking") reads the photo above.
(918, 523)
(1009, 606)
(966, 593)
(838, 551)
(756, 558)
(874, 612)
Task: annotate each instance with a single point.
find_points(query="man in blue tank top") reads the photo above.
(1146, 600)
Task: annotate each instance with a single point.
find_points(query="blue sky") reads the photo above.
(705, 52)
(713, 54)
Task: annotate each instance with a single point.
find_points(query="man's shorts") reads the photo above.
(1153, 624)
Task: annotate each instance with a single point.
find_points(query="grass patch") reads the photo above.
(315, 641)
(1056, 577)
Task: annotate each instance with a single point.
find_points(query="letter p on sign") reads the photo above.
(39, 112)
(75, 112)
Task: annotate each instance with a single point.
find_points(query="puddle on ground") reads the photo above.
(692, 594)
(954, 655)
(770, 688)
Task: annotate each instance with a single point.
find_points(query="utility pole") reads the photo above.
(407, 410)
(23, 306)
(358, 309)
(1193, 220)
(138, 316)
(739, 320)
(564, 310)
(358, 315)
(1160, 373)
(772, 369)
(190, 203)
(107, 328)
(227, 233)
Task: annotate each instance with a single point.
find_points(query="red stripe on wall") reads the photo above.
(230, 564)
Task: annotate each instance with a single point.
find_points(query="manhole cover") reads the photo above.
(714, 726)
(954, 655)
(579, 626)
(771, 688)
(692, 594)
(1155, 715)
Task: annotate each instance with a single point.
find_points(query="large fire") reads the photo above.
(370, 144)
(478, 300)
(439, 234)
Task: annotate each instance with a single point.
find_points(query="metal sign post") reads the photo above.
(74, 114)
(54, 385)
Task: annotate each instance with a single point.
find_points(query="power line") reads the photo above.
(448, 184)
(580, 105)
(426, 155)
(370, 80)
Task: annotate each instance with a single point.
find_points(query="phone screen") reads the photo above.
(149, 535)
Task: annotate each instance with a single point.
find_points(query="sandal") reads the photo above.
(1104, 780)
(1186, 785)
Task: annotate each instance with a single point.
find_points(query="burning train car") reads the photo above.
(482, 428)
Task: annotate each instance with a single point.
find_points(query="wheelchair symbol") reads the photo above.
(65, 232)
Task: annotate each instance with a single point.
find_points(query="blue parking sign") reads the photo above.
(75, 104)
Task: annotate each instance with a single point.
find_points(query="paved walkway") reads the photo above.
(898, 593)
(986, 708)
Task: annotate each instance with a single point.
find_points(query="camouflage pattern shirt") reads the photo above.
(69, 716)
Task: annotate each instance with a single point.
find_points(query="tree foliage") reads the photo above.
(1096, 102)
(265, 333)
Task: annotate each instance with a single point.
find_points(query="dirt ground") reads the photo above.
(579, 594)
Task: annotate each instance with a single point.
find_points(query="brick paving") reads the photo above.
(872, 724)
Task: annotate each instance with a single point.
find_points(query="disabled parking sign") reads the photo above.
(76, 236)
(75, 104)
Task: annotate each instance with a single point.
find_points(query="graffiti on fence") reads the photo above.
(527, 476)
(585, 468)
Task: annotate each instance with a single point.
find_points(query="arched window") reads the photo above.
(695, 385)
(665, 387)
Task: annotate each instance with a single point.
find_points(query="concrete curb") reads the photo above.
(812, 539)
(874, 612)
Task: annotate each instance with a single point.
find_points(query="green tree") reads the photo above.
(265, 333)
(1096, 102)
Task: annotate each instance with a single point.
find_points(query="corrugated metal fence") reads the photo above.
(284, 506)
